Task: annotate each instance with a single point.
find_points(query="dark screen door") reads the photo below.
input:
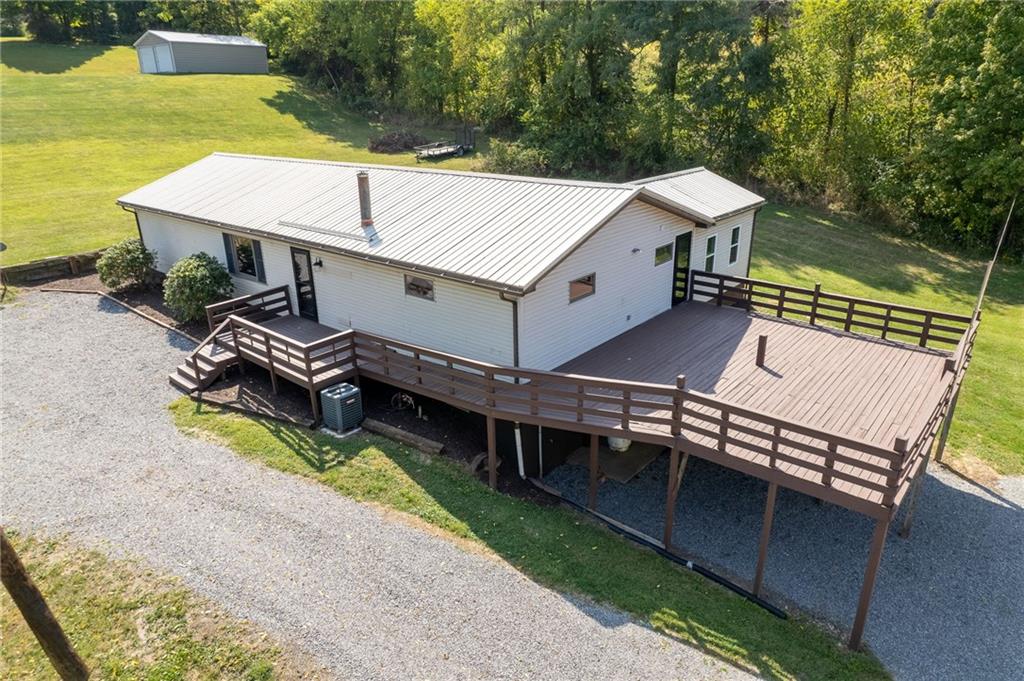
(681, 276)
(305, 292)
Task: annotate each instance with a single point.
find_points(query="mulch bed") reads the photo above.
(148, 300)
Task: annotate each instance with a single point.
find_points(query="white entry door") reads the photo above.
(163, 58)
(147, 60)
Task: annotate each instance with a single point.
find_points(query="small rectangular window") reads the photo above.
(662, 254)
(244, 256)
(418, 287)
(734, 245)
(709, 253)
(582, 287)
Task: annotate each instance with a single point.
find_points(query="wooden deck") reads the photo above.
(854, 385)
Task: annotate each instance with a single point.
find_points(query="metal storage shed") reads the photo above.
(173, 52)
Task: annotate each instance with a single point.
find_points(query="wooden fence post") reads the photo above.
(492, 454)
(677, 405)
(25, 594)
(766, 532)
(762, 346)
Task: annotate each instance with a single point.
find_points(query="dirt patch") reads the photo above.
(973, 468)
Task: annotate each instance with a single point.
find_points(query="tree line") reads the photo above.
(911, 111)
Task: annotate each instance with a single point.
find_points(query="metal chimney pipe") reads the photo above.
(363, 179)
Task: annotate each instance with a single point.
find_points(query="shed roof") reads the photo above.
(708, 195)
(204, 38)
(499, 231)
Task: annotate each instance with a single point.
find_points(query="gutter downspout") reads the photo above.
(138, 225)
(515, 362)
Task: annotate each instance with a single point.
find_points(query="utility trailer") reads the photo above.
(445, 148)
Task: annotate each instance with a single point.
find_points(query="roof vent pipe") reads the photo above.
(363, 178)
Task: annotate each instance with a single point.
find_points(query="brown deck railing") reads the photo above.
(889, 321)
(866, 474)
(255, 307)
(857, 473)
(309, 364)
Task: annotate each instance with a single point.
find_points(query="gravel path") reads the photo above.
(89, 449)
(949, 600)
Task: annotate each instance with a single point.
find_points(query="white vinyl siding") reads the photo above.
(630, 288)
(723, 235)
(463, 320)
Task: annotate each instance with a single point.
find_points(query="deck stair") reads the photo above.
(207, 362)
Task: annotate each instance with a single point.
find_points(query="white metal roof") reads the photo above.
(206, 38)
(708, 195)
(499, 231)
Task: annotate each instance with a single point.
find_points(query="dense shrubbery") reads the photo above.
(128, 263)
(194, 282)
(513, 158)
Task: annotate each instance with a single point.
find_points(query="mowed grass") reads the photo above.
(803, 246)
(81, 127)
(127, 622)
(551, 545)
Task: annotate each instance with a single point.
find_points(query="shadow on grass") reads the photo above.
(322, 115)
(33, 57)
(553, 546)
(799, 240)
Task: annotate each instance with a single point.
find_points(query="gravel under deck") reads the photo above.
(949, 600)
(89, 449)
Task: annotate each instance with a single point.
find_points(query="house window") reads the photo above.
(709, 253)
(662, 254)
(244, 257)
(418, 287)
(734, 245)
(582, 287)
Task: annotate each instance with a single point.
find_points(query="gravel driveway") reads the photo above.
(949, 600)
(89, 449)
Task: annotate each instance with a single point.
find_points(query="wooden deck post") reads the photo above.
(595, 448)
(270, 362)
(814, 302)
(38, 616)
(766, 532)
(762, 346)
(492, 454)
(238, 349)
(870, 573)
(676, 470)
(946, 422)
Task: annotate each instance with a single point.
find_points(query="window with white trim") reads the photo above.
(418, 287)
(709, 253)
(734, 245)
(582, 287)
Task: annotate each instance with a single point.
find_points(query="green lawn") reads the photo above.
(803, 246)
(128, 623)
(552, 546)
(81, 126)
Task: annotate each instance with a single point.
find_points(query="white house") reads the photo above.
(174, 52)
(517, 271)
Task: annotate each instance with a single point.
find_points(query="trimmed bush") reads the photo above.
(127, 263)
(194, 282)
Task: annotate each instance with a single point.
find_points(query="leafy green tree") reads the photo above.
(971, 160)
